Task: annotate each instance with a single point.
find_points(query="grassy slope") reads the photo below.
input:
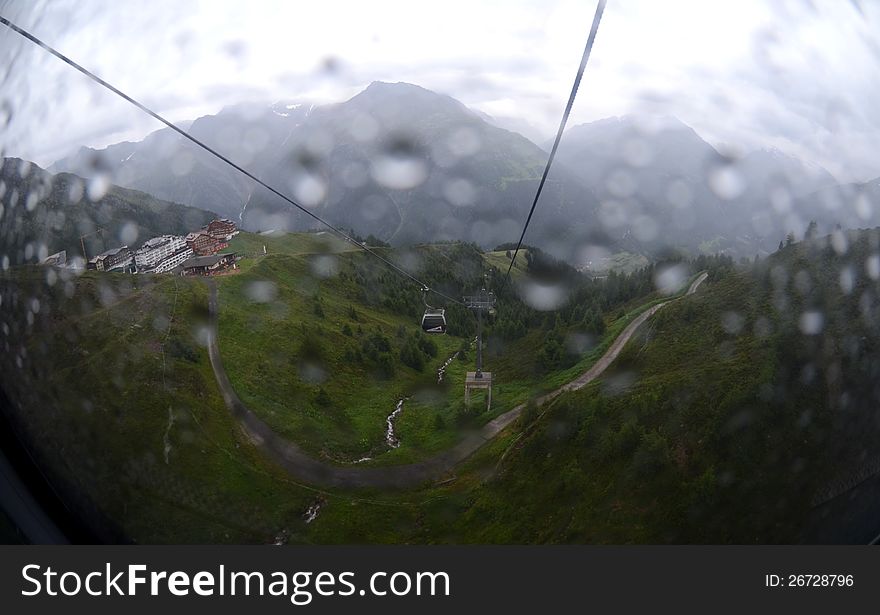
(675, 445)
(215, 486)
(499, 259)
(262, 345)
(680, 443)
(97, 424)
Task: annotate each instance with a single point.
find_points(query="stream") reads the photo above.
(312, 512)
(392, 440)
(442, 371)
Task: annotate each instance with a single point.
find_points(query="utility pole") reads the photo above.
(83, 243)
(484, 300)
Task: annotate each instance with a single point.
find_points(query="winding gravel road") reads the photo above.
(305, 468)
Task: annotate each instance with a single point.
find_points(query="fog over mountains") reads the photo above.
(409, 165)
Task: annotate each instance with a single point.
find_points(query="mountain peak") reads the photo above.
(402, 100)
(394, 86)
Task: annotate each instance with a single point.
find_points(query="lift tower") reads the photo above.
(98, 231)
(482, 301)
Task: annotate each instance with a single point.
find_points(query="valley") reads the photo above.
(683, 352)
(409, 165)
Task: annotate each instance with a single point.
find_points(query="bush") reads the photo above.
(427, 346)
(411, 356)
(385, 364)
(323, 398)
(311, 348)
(179, 349)
(652, 456)
(529, 414)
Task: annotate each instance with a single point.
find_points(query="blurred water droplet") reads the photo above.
(543, 296)
(864, 207)
(312, 372)
(331, 65)
(30, 202)
(732, 322)
(400, 165)
(872, 266)
(464, 142)
(679, 194)
(579, 343)
(612, 214)
(637, 153)
(839, 242)
(621, 184)
(324, 266)
(202, 334)
(847, 279)
(645, 228)
(319, 145)
(97, 188)
(75, 192)
(593, 258)
(363, 127)
(161, 323)
(354, 175)
(780, 198)
(261, 291)
(726, 182)
(234, 48)
(811, 322)
(106, 295)
(128, 234)
(802, 282)
(309, 189)
(669, 279)
(460, 192)
(375, 206)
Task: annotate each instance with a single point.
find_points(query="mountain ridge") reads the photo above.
(409, 165)
(46, 213)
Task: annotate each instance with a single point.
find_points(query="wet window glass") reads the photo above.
(276, 273)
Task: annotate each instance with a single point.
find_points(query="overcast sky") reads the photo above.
(800, 76)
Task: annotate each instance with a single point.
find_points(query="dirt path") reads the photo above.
(300, 465)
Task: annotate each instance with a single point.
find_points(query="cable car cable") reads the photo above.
(30, 37)
(600, 8)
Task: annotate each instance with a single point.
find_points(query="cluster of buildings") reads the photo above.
(195, 254)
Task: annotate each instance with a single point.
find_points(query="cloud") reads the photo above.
(797, 76)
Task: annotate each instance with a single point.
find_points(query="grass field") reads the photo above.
(131, 423)
(336, 408)
(280, 354)
(500, 260)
